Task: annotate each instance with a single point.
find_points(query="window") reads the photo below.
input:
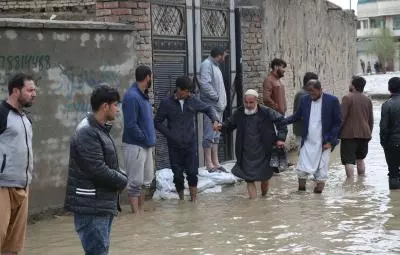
(396, 22)
(358, 25)
(377, 22)
(365, 24)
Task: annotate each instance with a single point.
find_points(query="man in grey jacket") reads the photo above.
(390, 132)
(16, 162)
(212, 92)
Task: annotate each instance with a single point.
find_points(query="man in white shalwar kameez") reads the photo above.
(322, 119)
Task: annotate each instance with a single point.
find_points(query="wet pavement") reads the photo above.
(359, 216)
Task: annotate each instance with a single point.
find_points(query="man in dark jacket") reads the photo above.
(321, 114)
(180, 110)
(94, 177)
(255, 137)
(298, 126)
(390, 132)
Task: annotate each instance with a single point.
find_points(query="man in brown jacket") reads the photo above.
(274, 89)
(357, 124)
(274, 98)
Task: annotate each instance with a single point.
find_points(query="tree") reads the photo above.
(384, 47)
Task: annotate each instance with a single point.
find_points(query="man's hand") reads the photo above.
(217, 126)
(280, 144)
(327, 146)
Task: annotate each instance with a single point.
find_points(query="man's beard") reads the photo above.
(24, 103)
(149, 85)
(250, 111)
(280, 74)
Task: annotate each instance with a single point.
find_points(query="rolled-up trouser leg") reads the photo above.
(191, 165)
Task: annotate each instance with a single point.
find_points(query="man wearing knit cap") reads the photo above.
(255, 125)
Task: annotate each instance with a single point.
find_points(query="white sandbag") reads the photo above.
(207, 182)
(165, 180)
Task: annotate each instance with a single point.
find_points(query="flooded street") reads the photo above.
(350, 217)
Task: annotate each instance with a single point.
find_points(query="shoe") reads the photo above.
(212, 170)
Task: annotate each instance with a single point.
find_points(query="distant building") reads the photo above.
(372, 16)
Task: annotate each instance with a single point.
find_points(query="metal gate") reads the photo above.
(183, 34)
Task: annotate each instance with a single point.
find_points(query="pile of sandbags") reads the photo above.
(208, 182)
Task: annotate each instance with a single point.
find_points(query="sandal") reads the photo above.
(212, 170)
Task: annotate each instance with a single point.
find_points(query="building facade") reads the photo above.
(74, 45)
(374, 15)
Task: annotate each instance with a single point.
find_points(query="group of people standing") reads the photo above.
(96, 180)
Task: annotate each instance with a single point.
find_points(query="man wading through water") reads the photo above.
(180, 110)
(322, 119)
(255, 126)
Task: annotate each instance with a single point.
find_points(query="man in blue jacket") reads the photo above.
(321, 115)
(180, 111)
(139, 137)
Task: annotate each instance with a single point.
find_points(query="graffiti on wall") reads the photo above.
(75, 85)
(18, 62)
(68, 85)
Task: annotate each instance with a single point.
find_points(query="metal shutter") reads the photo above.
(166, 69)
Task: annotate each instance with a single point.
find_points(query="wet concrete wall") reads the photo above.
(68, 61)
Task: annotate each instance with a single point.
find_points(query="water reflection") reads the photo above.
(358, 216)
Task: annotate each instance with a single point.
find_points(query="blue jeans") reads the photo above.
(94, 232)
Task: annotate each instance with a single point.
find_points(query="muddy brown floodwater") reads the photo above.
(351, 217)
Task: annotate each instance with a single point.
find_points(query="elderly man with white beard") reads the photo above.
(255, 125)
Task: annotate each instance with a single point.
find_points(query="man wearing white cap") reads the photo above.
(255, 125)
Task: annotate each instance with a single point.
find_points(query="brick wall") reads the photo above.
(135, 12)
(44, 9)
(252, 47)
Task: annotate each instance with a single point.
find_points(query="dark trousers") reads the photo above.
(184, 160)
(94, 232)
(392, 154)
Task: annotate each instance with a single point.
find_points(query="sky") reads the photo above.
(345, 4)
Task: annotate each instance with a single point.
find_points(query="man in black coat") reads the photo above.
(94, 177)
(180, 110)
(390, 132)
(256, 136)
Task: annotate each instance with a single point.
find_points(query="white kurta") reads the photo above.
(312, 159)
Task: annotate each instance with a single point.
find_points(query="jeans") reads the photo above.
(184, 160)
(94, 232)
